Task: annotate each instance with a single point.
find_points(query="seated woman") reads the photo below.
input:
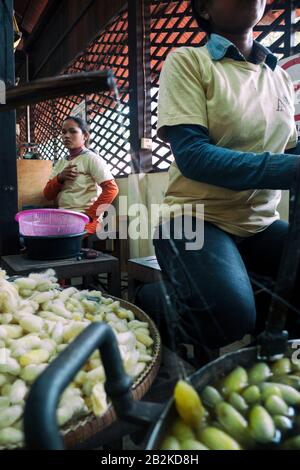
(82, 182)
(227, 111)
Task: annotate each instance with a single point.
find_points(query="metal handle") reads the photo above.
(57, 87)
(40, 425)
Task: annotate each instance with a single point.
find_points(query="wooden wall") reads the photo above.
(64, 32)
(32, 177)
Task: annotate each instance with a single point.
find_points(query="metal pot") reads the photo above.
(53, 247)
(152, 419)
(207, 375)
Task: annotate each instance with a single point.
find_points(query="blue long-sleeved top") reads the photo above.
(198, 159)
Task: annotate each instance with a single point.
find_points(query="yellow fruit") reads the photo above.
(292, 444)
(282, 422)
(261, 425)
(231, 420)
(192, 444)
(215, 439)
(188, 403)
(276, 406)
(288, 393)
(182, 431)
(170, 443)
(282, 366)
(211, 397)
(292, 380)
(259, 373)
(268, 390)
(235, 381)
(251, 394)
(238, 402)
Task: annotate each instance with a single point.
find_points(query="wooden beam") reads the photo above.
(57, 87)
(9, 238)
(65, 32)
(139, 83)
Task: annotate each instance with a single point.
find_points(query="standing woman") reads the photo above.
(81, 182)
(227, 110)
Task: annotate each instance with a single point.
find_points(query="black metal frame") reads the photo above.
(8, 168)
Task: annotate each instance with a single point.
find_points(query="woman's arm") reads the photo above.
(198, 159)
(110, 191)
(52, 188)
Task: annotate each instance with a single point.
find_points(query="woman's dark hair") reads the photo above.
(202, 23)
(83, 126)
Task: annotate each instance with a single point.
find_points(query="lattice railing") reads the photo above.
(22, 136)
(109, 115)
(106, 113)
(172, 26)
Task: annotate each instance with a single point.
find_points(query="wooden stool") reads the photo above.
(68, 268)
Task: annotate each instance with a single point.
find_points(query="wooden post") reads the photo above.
(289, 24)
(9, 239)
(139, 83)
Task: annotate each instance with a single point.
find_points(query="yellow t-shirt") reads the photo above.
(245, 107)
(80, 194)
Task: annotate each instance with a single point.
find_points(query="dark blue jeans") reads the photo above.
(210, 296)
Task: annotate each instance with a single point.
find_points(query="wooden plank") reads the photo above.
(142, 270)
(147, 262)
(68, 268)
(32, 178)
(65, 32)
(21, 264)
(57, 87)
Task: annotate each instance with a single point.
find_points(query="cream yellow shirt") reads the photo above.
(79, 195)
(237, 102)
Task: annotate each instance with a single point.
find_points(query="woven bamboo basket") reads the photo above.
(79, 431)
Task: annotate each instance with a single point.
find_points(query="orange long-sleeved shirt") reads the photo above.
(110, 191)
(52, 188)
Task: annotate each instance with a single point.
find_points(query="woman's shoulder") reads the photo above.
(283, 73)
(285, 77)
(189, 53)
(93, 159)
(91, 153)
(195, 59)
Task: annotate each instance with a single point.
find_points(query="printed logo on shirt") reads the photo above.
(282, 104)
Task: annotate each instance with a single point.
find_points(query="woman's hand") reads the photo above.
(92, 226)
(68, 174)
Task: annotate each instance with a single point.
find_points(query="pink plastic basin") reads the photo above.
(51, 222)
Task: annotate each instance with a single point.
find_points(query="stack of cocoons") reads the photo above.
(37, 321)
